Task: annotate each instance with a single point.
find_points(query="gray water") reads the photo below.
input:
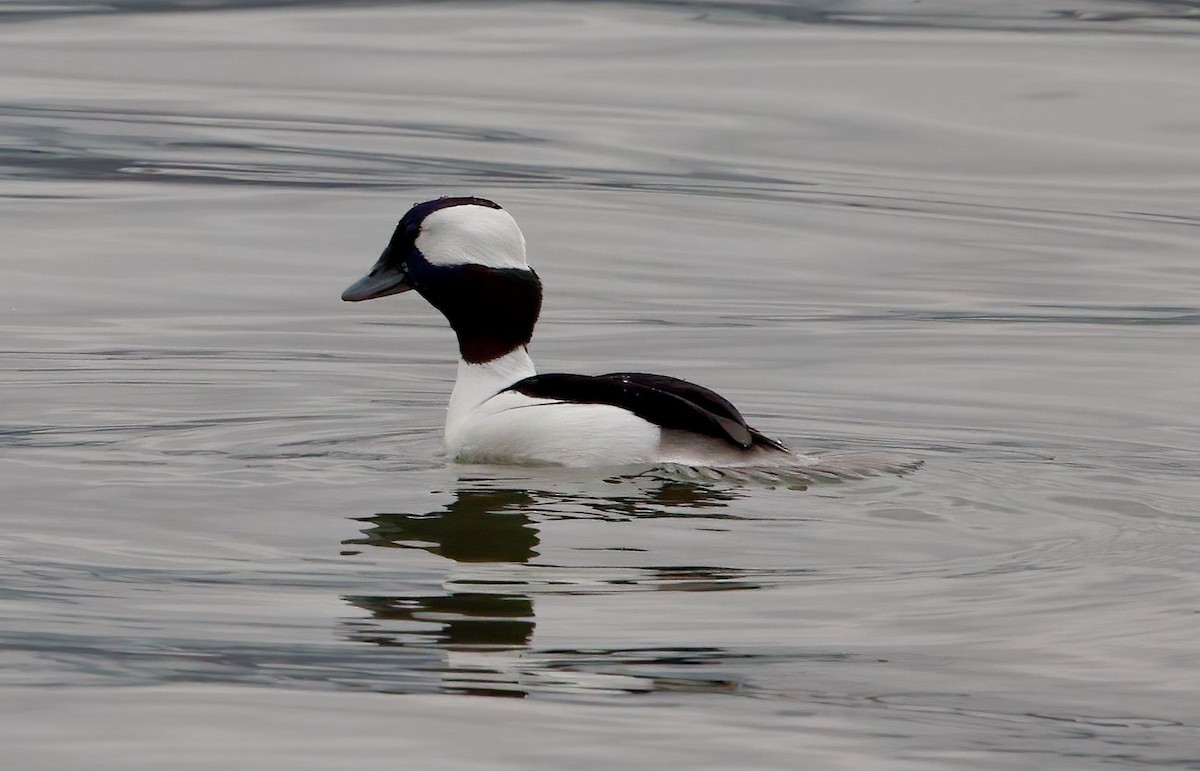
(960, 232)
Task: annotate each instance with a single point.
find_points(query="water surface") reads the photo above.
(961, 232)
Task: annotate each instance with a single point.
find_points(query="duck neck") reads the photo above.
(491, 310)
(478, 382)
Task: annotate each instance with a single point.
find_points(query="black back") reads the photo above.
(665, 401)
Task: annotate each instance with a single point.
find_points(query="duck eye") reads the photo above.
(411, 229)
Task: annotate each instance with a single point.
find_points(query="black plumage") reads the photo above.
(665, 401)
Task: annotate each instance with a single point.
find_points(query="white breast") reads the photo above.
(511, 427)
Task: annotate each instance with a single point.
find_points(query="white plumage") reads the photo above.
(466, 256)
(472, 235)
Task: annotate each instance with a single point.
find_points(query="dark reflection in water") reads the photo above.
(486, 633)
(477, 526)
(468, 619)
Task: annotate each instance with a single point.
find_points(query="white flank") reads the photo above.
(472, 235)
(484, 425)
(513, 428)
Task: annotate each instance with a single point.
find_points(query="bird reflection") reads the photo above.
(466, 619)
(485, 635)
(477, 526)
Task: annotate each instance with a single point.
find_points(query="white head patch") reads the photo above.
(471, 234)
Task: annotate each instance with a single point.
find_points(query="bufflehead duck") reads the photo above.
(466, 256)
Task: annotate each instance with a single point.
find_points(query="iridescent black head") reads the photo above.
(466, 256)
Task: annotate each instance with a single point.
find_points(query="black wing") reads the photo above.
(665, 401)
